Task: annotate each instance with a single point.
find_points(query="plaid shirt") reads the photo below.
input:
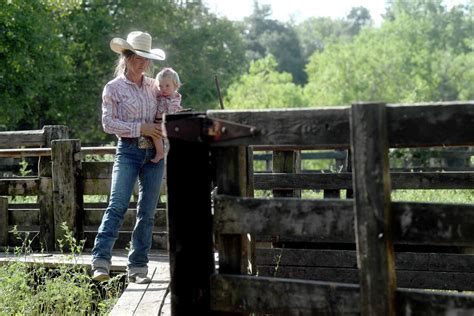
(170, 104)
(125, 106)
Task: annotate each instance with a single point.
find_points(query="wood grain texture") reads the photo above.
(333, 220)
(21, 138)
(300, 297)
(420, 125)
(372, 208)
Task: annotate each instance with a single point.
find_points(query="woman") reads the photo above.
(129, 105)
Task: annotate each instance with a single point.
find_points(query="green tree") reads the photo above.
(408, 59)
(264, 87)
(265, 36)
(32, 62)
(316, 32)
(55, 57)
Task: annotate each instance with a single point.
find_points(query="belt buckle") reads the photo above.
(145, 142)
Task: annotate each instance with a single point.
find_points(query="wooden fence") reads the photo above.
(58, 188)
(360, 255)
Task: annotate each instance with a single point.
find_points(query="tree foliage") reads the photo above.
(416, 55)
(265, 36)
(264, 87)
(55, 56)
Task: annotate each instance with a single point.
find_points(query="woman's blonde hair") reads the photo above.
(121, 65)
(170, 73)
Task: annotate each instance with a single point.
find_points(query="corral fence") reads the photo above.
(358, 254)
(57, 191)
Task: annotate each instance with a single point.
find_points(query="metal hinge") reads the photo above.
(200, 128)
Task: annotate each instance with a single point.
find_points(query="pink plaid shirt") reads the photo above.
(125, 106)
(171, 104)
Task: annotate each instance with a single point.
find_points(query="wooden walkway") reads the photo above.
(137, 299)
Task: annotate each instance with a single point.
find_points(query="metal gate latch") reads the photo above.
(200, 128)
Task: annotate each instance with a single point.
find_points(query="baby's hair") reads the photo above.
(169, 72)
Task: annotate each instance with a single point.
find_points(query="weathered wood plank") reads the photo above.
(21, 138)
(24, 217)
(323, 220)
(231, 171)
(372, 207)
(46, 212)
(282, 296)
(299, 297)
(286, 162)
(454, 281)
(45, 192)
(131, 298)
(97, 186)
(322, 128)
(343, 180)
(189, 226)
(102, 150)
(97, 169)
(332, 220)
(329, 127)
(67, 200)
(442, 262)
(433, 124)
(154, 294)
(25, 152)
(436, 224)
(4, 219)
(21, 186)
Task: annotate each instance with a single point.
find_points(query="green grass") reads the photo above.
(34, 289)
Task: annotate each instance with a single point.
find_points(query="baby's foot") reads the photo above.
(157, 158)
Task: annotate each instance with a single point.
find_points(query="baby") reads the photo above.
(169, 101)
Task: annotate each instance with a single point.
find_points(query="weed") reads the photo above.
(34, 288)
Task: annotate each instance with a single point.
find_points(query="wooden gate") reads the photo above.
(211, 207)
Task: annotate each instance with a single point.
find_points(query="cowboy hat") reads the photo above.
(139, 43)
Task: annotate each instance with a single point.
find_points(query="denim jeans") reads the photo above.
(131, 163)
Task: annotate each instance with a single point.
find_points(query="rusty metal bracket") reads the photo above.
(203, 129)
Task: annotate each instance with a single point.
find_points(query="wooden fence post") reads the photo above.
(3, 221)
(45, 192)
(373, 218)
(67, 202)
(235, 251)
(287, 161)
(340, 166)
(188, 178)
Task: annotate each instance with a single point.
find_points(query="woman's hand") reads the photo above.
(151, 129)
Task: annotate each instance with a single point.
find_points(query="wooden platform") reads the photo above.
(137, 299)
(146, 299)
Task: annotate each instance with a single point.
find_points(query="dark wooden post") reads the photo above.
(340, 166)
(188, 177)
(45, 192)
(236, 252)
(3, 221)
(287, 161)
(349, 192)
(373, 218)
(66, 200)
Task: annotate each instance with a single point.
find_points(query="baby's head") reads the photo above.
(168, 81)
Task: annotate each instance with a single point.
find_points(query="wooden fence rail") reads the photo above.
(361, 255)
(57, 189)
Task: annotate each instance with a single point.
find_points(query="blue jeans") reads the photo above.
(131, 163)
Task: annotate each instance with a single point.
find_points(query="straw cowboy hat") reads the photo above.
(139, 43)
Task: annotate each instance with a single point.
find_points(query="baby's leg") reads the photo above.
(158, 142)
